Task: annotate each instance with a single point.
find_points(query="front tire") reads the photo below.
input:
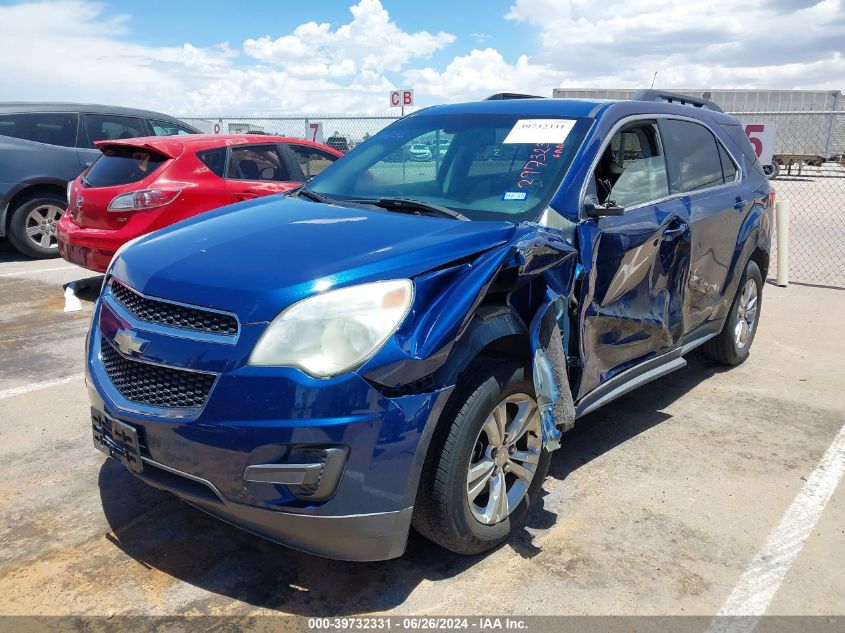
(32, 228)
(733, 344)
(486, 467)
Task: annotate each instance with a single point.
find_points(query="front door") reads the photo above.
(635, 264)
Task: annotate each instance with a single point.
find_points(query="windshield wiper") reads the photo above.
(313, 196)
(411, 205)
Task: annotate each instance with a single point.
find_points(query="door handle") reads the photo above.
(246, 195)
(676, 231)
(739, 204)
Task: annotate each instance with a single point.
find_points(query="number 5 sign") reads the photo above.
(762, 137)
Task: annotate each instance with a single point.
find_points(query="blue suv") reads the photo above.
(402, 343)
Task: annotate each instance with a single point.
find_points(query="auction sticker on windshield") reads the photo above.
(540, 131)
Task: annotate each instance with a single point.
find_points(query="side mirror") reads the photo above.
(594, 210)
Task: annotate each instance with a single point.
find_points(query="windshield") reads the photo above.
(485, 166)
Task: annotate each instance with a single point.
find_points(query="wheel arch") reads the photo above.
(29, 191)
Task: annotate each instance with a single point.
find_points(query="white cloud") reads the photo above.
(482, 73)
(370, 42)
(695, 43)
(74, 50)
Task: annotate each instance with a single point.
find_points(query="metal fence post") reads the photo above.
(783, 209)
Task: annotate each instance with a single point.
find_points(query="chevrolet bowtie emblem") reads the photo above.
(128, 342)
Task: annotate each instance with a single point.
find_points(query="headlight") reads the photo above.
(332, 333)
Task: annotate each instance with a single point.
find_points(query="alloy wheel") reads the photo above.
(746, 314)
(504, 459)
(41, 224)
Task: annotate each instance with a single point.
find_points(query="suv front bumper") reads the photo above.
(272, 417)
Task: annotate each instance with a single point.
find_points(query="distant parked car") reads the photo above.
(420, 151)
(141, 185)
(43, 146)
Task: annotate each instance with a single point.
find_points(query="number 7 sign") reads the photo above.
(762, 137)
(314, 132)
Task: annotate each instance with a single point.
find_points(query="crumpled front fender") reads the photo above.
(527, 283)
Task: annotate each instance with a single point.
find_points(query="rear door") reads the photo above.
(257, 170)
(704, 172)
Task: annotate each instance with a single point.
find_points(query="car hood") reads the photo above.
(256, 258)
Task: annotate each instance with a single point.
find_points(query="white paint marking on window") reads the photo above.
(35, 386)
(758, 584)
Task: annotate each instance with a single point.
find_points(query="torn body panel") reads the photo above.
(631, 305)
(518, 289)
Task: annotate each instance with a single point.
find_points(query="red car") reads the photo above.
(140, 185)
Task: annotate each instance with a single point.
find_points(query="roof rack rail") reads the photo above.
(502, 96)
(675, 97)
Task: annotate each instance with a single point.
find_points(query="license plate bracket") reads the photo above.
(117, 440)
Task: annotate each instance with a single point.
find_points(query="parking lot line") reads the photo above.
(36, 271)
(35, 386)
(761, 580)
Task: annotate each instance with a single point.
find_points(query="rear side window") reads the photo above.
(166, 128)
(122, 165)
(51, 128)
(257, 162)
(728, 167)
(106, 127)
(215, 160)
(311, 160)
(695, 153)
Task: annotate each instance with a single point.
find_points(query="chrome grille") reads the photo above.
(171, 314)
(153, 385)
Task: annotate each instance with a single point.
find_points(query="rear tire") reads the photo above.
(32, 228)
(493, 393)
(733, 344)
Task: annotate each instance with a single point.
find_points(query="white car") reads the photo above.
(419, 151)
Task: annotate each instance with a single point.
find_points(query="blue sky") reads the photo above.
(213, 21)
(344, 56)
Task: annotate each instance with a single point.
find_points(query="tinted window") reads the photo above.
(632, 169)
(121, 165)
(693, 149)
(214, 159)
(728, 167)
(54, 129)
(256, 162)
(106, 127)
(166, 128)
(311, 160)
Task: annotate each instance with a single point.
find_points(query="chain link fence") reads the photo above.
(809, 165)
(809, 154)
(338, 131)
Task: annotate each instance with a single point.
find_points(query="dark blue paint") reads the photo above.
(619, 291)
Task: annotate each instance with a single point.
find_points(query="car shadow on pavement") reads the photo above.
(8, 253)
(163, 533)
(623, 419)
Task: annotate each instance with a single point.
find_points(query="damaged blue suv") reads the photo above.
(402, 343)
